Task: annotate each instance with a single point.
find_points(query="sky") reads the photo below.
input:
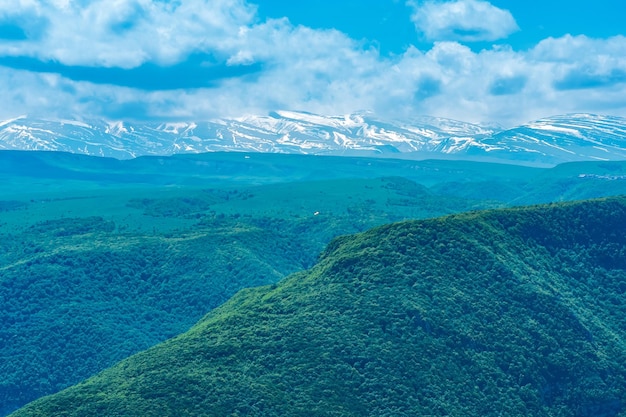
(501, 61)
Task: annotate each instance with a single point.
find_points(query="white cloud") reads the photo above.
(449, 80)
(461, 20)
(322, 71)
(581, 49)
(126, 33)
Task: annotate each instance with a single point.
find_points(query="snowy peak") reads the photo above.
(591, 128)
(363, 131)
(574, 137)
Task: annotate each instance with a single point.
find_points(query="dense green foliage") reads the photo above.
(101, 258)
(145, 264)
(507, 312)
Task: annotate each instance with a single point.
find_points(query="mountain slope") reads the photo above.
(558, 139)
(282, 132)
(240, 168)
(135, 251)
(546, 142)
(507, 312)
(95, 249)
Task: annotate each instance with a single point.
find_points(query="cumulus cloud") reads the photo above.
(507, 85)
(461, 20)
(121, 33)
(164, 60)
(584, 63)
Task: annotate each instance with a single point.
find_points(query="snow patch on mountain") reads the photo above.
(543, 142)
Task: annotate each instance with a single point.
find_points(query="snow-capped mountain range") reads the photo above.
(574, 137)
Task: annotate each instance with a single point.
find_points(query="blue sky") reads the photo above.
(503, 61)
(387, 23)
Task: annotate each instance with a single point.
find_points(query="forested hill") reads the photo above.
(513, 312)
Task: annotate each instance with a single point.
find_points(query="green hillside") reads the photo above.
(135, 252)
(44, 170)
(510, 312)
(90, 277)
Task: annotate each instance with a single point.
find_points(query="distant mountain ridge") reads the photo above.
(550, 141)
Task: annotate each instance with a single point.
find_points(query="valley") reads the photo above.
(476, 314)
(262, 208)
(136, 252)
